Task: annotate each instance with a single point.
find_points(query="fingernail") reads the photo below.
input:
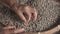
(19, 30)
(23, 29)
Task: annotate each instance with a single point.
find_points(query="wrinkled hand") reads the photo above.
(22, 10)
(12, 30)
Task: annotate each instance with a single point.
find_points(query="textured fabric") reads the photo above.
(48, 12)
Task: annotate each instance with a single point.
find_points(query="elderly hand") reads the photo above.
(25, 12)
(11, 30)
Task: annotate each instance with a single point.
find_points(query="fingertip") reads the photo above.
(28, 20)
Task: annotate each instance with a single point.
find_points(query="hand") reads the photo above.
(12, 30)
(22, 10)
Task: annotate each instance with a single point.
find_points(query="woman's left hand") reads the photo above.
(12, 30)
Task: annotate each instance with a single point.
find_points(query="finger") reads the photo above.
(9, 27)
(34, 14)
(19, 30)
(20, 14)
(27, 10)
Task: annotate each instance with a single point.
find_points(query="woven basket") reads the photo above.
(48, 12)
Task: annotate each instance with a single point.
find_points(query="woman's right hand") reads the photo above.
(22, 10)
